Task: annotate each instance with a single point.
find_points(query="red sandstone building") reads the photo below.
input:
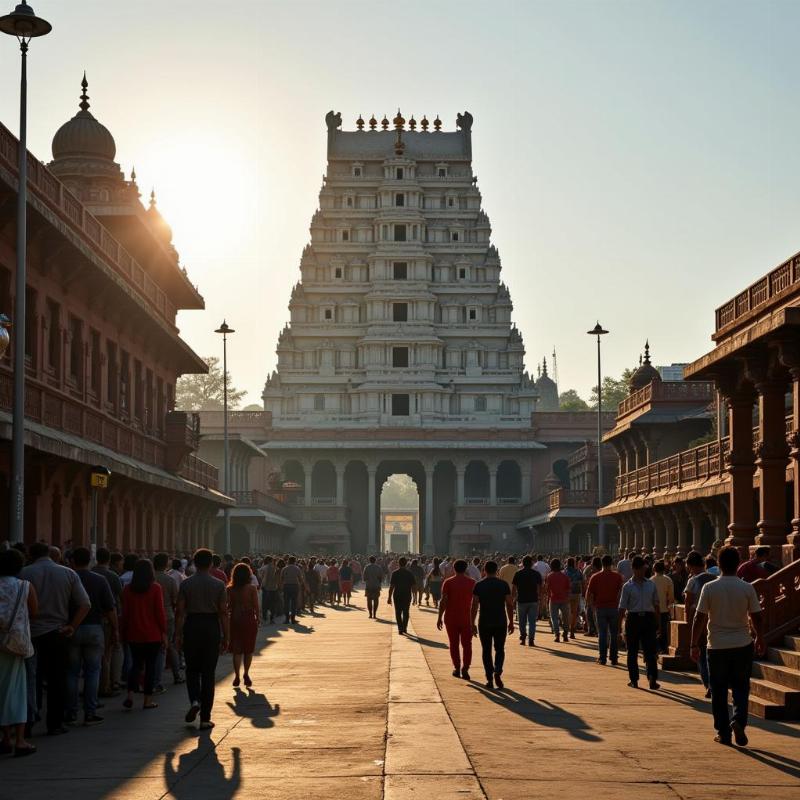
(102, 353)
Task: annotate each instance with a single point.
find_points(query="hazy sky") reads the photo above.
(638, 160)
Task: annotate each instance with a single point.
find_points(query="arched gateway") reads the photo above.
(400, 356)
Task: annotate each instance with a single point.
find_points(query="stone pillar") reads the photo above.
(659, 533)
(791, 549)
(741, 466)
(682, 526)
(696, 517)
(492, 484)
(372, 539)
(772, 460)
(339, 483)
(636, 531)
(427, 531)
(460, 472)
(525, 487)
(670, 531)
(307, 471)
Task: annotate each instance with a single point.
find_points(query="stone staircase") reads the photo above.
(775, 685)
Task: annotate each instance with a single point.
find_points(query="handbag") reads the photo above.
(14, 646)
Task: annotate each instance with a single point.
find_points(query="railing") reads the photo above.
(779, 595)
(199, 471)
(58, 198)
(668, 391)
(476, 501)
(323, 501)
(770, 287)
(256, 499)
(561, 498)
(508, 501)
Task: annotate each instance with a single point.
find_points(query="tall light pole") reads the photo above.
(225, 330)
(23, 24)
(598, 331)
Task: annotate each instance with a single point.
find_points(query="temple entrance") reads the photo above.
(399, 529)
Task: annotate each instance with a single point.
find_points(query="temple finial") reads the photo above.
(152, 198)
(84, 104)
(647, 352)
(133, 174)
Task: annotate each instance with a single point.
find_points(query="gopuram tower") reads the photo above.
(400, 355)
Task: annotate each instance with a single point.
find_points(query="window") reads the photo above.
(94, 381)
(30, 325)
(328, 314)
(112, 375)
(345, 236)
(399, 233)
(399, 356)
(400, 312)
(400, 271)
(124, 383)
(356, 172)
(337, 273)
(462, 274)
(138, 390)
(480, 404)
(400, 199)
(442, 172)
(400, 405)
(148, 399)
(399, 173)
(349, 202)
(160, 405)
(76, 349)
(53, 335)
(319, 402)
(450, 202)
(454, 236)
(473, 314)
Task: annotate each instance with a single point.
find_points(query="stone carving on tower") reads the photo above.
(399, 317)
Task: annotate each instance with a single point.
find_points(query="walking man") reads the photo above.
(202, 631)
(525, 589)
(666, 599)
(455, 607)
(291, 580)
(401, 587)
(373, 580)
(268, 575)
(602, 598)
(492, 598)
(729, 606)
(638, 604)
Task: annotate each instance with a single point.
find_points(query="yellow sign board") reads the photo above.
(99, 481)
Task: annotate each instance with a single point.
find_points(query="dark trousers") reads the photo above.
(143, 654)
(663, 634)
(402, 606)
(269, 601)
(640, 630)
(52, 663)
(730, 669)
(201, 637)
(290, 594)
(493, 636)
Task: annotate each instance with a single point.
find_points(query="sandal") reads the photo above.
(235, 682)
(149, 706)
(28, 750)
(247, 681)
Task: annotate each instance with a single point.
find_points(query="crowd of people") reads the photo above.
(77, 631)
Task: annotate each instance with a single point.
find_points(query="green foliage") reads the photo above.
(205, 392)
(615, 390)
(570, 400)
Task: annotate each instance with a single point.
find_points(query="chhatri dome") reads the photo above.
(83, 136)
(646, 373)
(548, 391)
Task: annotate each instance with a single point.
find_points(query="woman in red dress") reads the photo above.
(243, 608)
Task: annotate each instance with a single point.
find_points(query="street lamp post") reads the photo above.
(24, 25)
(225, 329)
(598, 331)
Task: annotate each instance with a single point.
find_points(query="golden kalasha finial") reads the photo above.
(385, 123)
(424, 123)
(437, 123)
(360, 123)
(373, 123)
(398, 120)
(412, 123)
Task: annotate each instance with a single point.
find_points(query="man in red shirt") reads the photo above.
(217, 571)
(602, 599)
(558, 586)
(455, 607)
(756, 567)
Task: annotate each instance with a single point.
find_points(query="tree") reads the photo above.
(572, 401)
(253, 407)
(205, 392)
(614, 391)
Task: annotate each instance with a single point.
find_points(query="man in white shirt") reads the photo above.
(730, 607)
(474, 569)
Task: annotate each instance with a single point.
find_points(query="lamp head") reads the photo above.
(24, 24)
(224, 329)
(598, 330)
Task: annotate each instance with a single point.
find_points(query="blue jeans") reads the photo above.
(290, 593)
(559, 611)
(527, 613)
(607, 628)
(85, 651)
(702, 665)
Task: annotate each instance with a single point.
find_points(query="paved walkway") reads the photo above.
(344, 706)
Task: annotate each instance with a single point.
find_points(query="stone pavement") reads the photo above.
(344, 706)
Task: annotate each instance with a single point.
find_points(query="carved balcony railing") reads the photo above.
(770, 290)
(561, 498)
(256, 499)
(49, 190)
(198, 471)
(779, 595)
(667, 391)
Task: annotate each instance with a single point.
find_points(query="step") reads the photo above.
(785, 676)
(792, 642)
(775, 693)
(784, 657)
(672, 662)
(764, 709)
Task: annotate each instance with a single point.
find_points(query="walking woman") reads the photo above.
(346, 581)
(434, 582)
(243, 608)
(144, 629)
(17, 605)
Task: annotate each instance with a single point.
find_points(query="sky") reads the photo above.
(637, 159)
